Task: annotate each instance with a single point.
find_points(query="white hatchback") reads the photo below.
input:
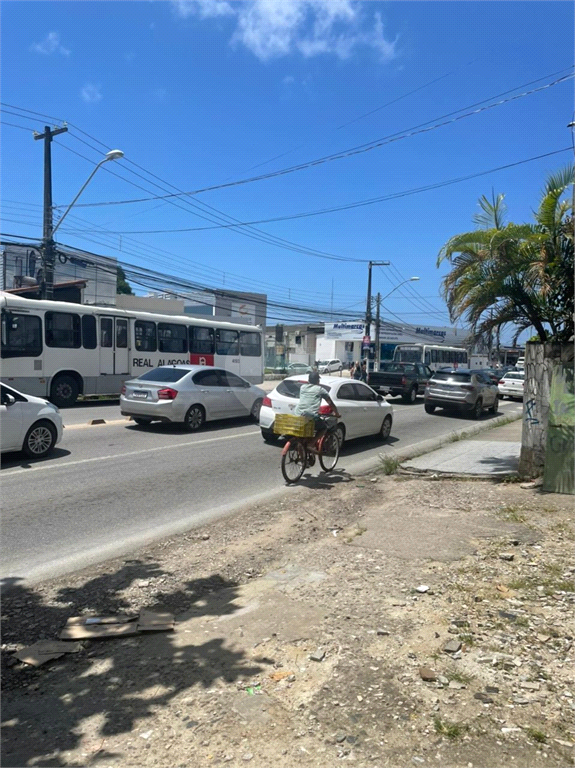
(512, 385)
(363, 411)
(29, 424)
(329, 366)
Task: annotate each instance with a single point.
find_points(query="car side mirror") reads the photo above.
(380, 398)
(9, 400)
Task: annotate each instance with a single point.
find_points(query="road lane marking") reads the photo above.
(40, 468)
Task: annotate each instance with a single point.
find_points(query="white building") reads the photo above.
(344, 340)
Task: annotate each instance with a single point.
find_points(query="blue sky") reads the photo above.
(207, 93)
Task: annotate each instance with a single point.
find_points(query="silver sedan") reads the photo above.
(189, 394)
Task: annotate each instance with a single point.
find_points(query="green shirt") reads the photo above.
(310, 397)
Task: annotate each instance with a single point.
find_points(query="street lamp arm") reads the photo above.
(409, 280)
(113, 155)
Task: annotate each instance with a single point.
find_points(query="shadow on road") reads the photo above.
(19, 459)
(113, 685)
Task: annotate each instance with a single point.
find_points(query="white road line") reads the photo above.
(44, 468)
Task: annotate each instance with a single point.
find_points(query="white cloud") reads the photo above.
(288, 79)
(50, 44)
(91, 93)
(274, 28)
(202, 8)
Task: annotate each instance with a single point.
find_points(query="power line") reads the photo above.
(350, 152)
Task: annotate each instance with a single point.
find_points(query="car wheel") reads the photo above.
(39, 440)
(64, 391)
(141, 421)
(340, 432)
(495, 407)
(385, 430)
(477, 409)
(429, 408)
(256, 408)
(501, 397)
(195, 418)
(411, 396)
(269, 436)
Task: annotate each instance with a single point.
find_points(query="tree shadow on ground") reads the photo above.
(113, 685)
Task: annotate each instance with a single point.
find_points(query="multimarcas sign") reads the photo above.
(395, 333)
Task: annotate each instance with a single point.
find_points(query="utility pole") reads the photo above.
(368, 316)
(48, 255)
(377, 363)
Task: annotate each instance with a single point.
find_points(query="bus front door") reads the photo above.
(114, 346)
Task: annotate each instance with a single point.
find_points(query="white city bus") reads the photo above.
(433, 355)
(59, 350)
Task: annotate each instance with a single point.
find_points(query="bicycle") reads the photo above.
(300, 449)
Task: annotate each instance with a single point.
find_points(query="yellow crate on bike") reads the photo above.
(298, 426)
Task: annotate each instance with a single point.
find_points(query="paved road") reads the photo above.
(111, 487)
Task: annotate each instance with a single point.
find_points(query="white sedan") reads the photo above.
(189, 394)
(363, 411)
(29, 424)
(512, 385)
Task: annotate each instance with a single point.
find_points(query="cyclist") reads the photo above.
(310, 397)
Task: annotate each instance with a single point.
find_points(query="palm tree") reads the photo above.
(515, 274)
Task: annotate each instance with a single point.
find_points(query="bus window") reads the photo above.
(227, 342)
(121, 333)
(89, 332)
(172, 337)
(250, 344)
(62, 329)
(106, 327)
(145, 332)
(201, 340)
(427, 357)
(21, 335)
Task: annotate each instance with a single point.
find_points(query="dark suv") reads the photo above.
(462, 390)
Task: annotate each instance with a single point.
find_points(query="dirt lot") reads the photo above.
(386, 621)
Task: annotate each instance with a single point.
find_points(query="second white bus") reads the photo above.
(433, 355)
(60, 350)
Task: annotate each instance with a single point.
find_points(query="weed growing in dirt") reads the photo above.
(512, 512)
(389, 464)
(450, 730)
(460, 677)
(537, 735)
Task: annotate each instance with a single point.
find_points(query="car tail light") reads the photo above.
(468, 387)
(501, 382)
(123, 390)
(325, 410)
(267, 402)
(167, 394)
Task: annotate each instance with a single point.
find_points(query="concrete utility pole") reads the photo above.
(368, 315)
(48, 256)
(377, 363)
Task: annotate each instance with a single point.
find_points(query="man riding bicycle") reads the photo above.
(310, 397)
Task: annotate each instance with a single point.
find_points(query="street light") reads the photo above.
(379, 302)
(48, 241)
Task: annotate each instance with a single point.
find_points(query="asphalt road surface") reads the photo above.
(109, 488)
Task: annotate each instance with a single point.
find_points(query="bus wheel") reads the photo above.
(64, 391)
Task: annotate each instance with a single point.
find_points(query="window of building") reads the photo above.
(145, 333)
(172, 338)
(63, 330)
(21, 335)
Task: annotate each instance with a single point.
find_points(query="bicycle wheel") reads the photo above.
(293, 461)
(329, 451)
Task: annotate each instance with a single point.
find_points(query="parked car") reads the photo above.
(29, 424)
(512, 385)
(189, 394)
(405, 379)
(520, 364)
(329, 366)
(294, 368)
(363, 411)
(463, 390)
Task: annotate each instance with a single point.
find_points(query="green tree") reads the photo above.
(122, 285)
(515, 274)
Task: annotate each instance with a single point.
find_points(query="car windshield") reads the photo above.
(291, 388)
(323, 362)
(448, 376)
(518, 376)
(164, 375)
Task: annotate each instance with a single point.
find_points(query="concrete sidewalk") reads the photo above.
(492, 453)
